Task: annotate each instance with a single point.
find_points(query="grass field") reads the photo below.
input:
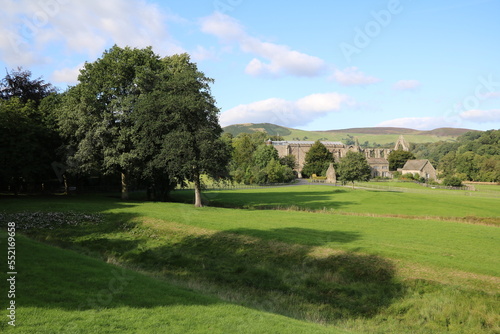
(427, 202)
(61, 291)
(345, 265)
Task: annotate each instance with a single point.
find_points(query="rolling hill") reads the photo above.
(375, 135)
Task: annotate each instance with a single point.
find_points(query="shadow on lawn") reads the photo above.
(281, 270)
(285, 198)
(295, 280)
(302, 236)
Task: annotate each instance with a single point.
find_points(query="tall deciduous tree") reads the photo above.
(186, 124)
(317, 159)
(28, 137)
(98, 111)
(264, 154)
(353, 167)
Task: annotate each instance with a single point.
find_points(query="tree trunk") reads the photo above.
(197, 192)
(124, 186)
(66, 189)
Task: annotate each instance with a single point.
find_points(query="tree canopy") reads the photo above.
(187, 124)
(99, 108)
(145, 118)
(317, 160)
(398, 158)
(18, 83)
(475, 156)
(28, 136)
(353, 167)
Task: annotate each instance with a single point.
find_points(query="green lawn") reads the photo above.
(428, 202)
(353, 272)
(61, 291)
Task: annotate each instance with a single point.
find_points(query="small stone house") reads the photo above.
(379, 167)
(422, 168)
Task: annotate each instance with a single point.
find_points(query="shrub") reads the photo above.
(452, 181)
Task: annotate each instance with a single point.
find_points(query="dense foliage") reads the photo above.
(133, 116)
(398, 158)
(28, 136)
(353, 167)
(255, 162)
(317, 160)
(475, 156)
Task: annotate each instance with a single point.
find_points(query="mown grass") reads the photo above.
(362, 274)
(428, 203)
(60, 291)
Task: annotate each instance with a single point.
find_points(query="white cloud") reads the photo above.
(67, 75)
(286, 113)
(275, 60)
(201, 53)
(490, 95)
(352, 76)
(406, 85)
(481, 116)
(419, 123)
(30, 27)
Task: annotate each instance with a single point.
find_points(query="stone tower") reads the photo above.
(402, 144)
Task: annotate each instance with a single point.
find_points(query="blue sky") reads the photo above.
(315, 65)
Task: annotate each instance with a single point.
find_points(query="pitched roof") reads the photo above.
(415, 164)
(377, 160)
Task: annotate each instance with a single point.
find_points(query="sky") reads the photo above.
(311, 65)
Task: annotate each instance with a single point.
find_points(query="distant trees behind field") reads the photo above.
(475, 156)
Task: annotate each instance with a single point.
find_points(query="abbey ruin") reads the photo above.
(376, 157)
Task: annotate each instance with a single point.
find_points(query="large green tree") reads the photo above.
(181, 119)
(353, 167)
(317, 160)
(264, 154)
(398, 158)
(28, 137)
(97, 117)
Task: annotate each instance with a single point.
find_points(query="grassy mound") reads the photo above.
(60, 291)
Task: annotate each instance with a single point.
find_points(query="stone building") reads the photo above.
(377, 157)
(422, 168)
(379, 167)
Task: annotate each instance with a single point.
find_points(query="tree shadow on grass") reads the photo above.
(295, 280)
(302, 236)
(281, 271)
(310, 200)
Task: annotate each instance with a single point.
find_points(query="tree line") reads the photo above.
(133, 117)
(474, 156)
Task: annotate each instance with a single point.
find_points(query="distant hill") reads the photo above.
(269, 128)
(452, 132)
(373, 135)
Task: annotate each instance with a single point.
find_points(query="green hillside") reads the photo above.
(382, 135)
(61, 291)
